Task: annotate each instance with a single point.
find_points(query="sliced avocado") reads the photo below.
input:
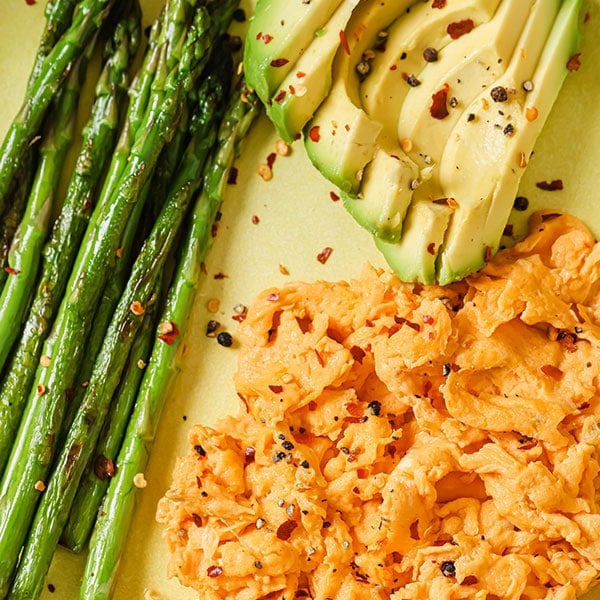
(308, 83)
(413, 257)
(385, 194)
(501, 145)
(422, 28)
(278, 33)
(341, 138)
(466, 66)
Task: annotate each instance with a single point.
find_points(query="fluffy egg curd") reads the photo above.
(404, 441)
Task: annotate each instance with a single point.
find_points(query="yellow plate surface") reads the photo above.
(296, 220)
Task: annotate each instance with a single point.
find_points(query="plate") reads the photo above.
(271, 232)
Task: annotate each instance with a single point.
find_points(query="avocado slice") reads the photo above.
(386, 191)
(484, 204)
(278, 33)
(341, 138)
(308, 83)
(423, 27)
(413, 258)
(466, 66)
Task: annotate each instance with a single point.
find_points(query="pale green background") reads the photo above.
(297, 219)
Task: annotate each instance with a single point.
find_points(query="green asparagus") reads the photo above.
(55, 67)
(95, 479)
(135, 301)
(35, 445)
(98, 141)
(26, 248)
(110, 532)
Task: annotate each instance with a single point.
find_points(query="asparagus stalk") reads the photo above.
(26, 248)
(96, 477)
(35, 445)
(98, 141)
(16, 146)
(113, 522)
(58, 15)
(136, 300)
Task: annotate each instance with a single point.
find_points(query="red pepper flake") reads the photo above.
(335, 197)
(362, 473)
(280, 97)
(314, 134)
(552, 371)
(438, 108)
(104, 467)
(312, 405)
(249, 455)
(284, 531)
(214, 230)
(567, 340)
(488, 254)
(439, 4)
(197, 519)
(357, 354)
(319, 358)
(30, 2)
(267, 38)
(11, 271)
(255, 219)
(324, 255)
(168, 332)
(232, 176)
(470, 580)
(214, 571)
(198, 482)
(587, 17)
(354, 409)
(428, 319)
(550, 186)
(393, 67)
(431, 248)
(271, 159)
(276, 389)
(300, 74)
(273, 297)
(279, 62)
(344, 42)
(402, 321)
(460, 28)
(574, 63)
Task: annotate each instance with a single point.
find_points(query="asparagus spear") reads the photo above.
(138, 296)
(98, 140)
(55, 67)
(25, 253)
(35, 446)
(58, 16)
(95, 479)
(114, 520)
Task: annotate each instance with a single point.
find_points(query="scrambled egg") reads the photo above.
(400, 441)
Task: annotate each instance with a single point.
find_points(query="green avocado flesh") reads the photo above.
(423, 114)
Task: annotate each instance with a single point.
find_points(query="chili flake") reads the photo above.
(279, 62)
(438, 108)
(168, 332)
(214, 571)
(439, 4)
(284, 531)
(550, 186)
(255, 219)
(104, 467)
(324, 255)
(314, 134)
(574, 63)
(344, 42)
(552, 371)
(11, 271)
(460, 28)
(335, 197)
